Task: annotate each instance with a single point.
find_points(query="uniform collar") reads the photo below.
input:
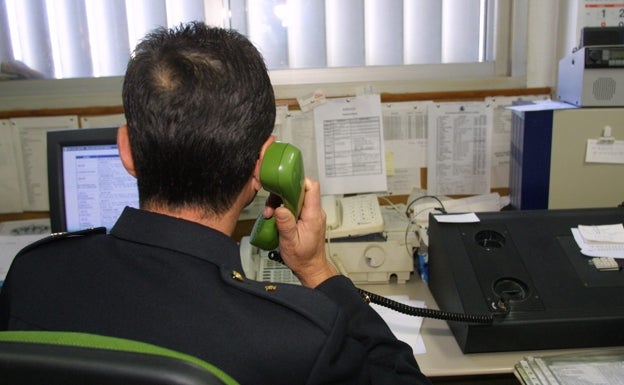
(176, 234)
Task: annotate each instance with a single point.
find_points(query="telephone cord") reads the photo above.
(501, 307)
(428, 313)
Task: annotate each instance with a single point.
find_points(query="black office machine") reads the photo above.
(528, 263)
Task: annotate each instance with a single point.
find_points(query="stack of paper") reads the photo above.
(595, 367)
(600, 241)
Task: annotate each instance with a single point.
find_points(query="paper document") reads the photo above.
(30, 138)
(457, 218)
(600, 241)
(459, 150)
(10, 245)
(604, 233)
(600, 151)
(593, 367)
(10, 192)
(350, 145)
(26, 227)
(405, 327)
(15, 235)
(298, 129)
(114, 120)
(405, 140)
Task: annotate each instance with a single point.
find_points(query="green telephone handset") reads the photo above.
(281, 173)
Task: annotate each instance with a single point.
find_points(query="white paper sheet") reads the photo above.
(458, 218)
(459, 149)
(405, 327)
(590, 248)
(30, 143)
(15, 235)
(350, 145)
(601, 151)
(298, 129)
(10, 192)
(114, 120)
(9, 247)
(26, 227)
(405, 140)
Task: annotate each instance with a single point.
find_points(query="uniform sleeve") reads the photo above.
(387, 360)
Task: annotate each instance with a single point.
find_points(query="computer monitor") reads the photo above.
(88, 185)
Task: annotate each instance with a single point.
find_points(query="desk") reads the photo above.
(444, 362)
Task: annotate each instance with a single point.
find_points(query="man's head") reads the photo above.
(199, 106)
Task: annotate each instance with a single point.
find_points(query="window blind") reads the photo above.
(93, 38)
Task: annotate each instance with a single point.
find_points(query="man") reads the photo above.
(200, 111)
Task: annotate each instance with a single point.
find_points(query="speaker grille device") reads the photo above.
(604, 88)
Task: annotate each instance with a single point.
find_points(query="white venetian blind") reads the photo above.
(93, 38)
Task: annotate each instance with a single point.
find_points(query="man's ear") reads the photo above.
(125, 151)
(256, 172)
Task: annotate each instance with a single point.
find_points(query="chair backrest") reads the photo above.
(36, 357)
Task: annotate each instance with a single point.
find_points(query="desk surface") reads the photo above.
(444, 357)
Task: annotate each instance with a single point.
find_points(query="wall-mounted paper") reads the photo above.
(114, 120)
(405, 141)
(350, 145)
(298, 129)
(10, 192)
(601, 151)
(459, 152)
(30, 144)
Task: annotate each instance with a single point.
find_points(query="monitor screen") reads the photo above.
(88, 185)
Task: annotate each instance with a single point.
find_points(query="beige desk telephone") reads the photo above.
(352, 216)
(364, 260)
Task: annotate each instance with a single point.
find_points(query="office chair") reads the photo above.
(68, 358)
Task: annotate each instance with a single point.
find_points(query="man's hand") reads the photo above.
(302, 241)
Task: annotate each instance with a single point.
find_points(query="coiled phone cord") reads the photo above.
(501, 307)
(432, 313)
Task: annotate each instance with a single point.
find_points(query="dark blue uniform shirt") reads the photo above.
(178, 284)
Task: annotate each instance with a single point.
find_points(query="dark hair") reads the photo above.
(199, 105)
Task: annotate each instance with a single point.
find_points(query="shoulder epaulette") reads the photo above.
(312, 304)
(63, 235)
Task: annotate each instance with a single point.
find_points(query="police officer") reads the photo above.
(200, 110)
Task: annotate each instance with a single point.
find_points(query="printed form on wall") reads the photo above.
(10, 192)
(405, 139)
(299, 130)
(350, 145)
(459, 148)
(30, 144)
